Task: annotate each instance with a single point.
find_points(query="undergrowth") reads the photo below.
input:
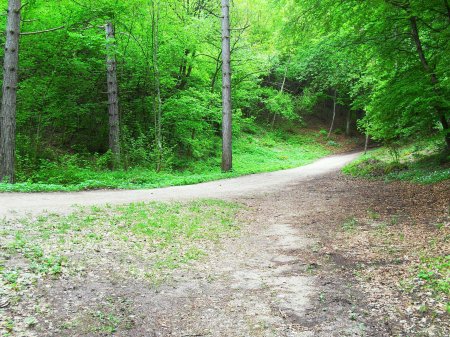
(423, 163)
(260, 151)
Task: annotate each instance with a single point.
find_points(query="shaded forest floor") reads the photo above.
(327, 256)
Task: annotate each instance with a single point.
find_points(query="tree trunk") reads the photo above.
(348, 123)
(366, 144)
(157, 102)
(334, 113)
(9, 99)
(113, 96)
(227, 152)
(281, 92)
(434, 80)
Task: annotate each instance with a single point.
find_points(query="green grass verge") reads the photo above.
(253, 153)
(419, 163)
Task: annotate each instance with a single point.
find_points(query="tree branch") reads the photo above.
(42, 31)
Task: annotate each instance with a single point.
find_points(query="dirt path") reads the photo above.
(19, 203)
(291, 272)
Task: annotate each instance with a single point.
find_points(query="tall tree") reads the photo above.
(113, 96)
(441, 111)
(9, 99)
(227, 151)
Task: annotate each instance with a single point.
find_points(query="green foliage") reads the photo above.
(365, 52)
(264, 151)
(420, 163)
(291, 59)
(436, 274)
(350, 224)
(40, 263)
(279, 103)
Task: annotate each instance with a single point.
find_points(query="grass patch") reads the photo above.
(435, 272)
(350, 224)
(419, 163)
(253, 153)
(170, 233)
(140, 242)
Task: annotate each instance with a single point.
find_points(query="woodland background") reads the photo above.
(382, 67)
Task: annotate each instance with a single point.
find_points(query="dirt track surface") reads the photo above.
(289, 273)
(20, 203)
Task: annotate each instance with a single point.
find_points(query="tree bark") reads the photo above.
(227, 152)
(334, 113)
(434, 80)
(9, 99)
(113, 95)
(157, 102)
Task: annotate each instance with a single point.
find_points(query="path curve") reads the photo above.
(13, 204)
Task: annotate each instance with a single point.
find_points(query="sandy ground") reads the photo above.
(20, 203)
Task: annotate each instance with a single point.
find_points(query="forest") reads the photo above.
(258, 168)
(137, 85)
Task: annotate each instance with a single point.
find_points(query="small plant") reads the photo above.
(323, 133)
(11, 277)
(394, 220)
(322, 297)
(30, 321)
(8, 324)
(108, 322)
(436, 274)
(333, 143)
(381, 226)
(350, 224)
(439, 226)
(373, 215)
(311, 267)
(423, 309)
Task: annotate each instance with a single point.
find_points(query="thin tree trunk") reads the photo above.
(227, 152)
(157, 102)
(366, 144)
(113, 96)
(348, 123)
(281, 92)
(334, 113)
(434, 80)
(9, 99)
